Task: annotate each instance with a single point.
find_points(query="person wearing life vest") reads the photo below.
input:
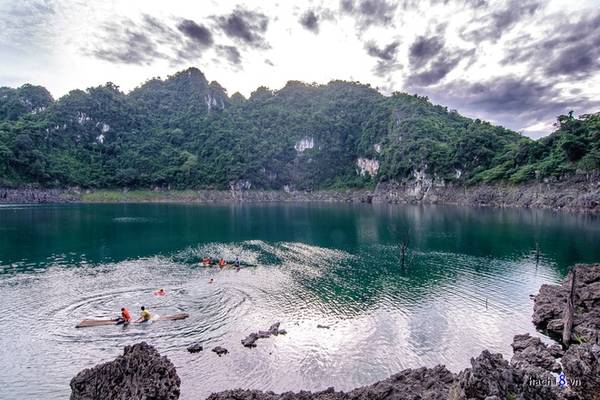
(160, 292)
(222, 262)
(145, 315)
(237, 262)
(125, 317)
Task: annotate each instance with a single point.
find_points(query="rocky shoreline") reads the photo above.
(574, 194)
(532, 373)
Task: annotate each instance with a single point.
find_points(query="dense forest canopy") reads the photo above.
(184, 132)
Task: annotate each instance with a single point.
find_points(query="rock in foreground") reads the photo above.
(410, 384)
(550, 305)
(140, 373)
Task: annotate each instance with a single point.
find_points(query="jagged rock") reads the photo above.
(220, 350)
(531, 352)
(195, 348)
(582, 367)
(274, 329)
(140, 373)
(323, 326)
(250, 340)
(490, 376)
(550, 304)
(556, 350)
(410, 384)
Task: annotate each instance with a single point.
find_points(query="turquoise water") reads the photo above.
(329, 264)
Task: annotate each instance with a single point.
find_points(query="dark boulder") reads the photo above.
(250, 340)
(140, 373)
(492, 377)
(582, 367)
(530, 352)
(220, 350)
(195, 348)
(319, 326)
(551, 300)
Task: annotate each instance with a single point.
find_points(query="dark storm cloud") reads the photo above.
(310, 21)
(245, 26)
(386, 57)
(370, 12)
(568, 49)
(149, 40)
(197, 33)
(517, 102)
(430, 60)
(496, 23)
(424, 49)
(231, 54)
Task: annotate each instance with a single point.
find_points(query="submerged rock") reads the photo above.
(140, 373)
(195, 348)
(322, 326)
(220, 350)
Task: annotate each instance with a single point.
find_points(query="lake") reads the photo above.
(465, 287)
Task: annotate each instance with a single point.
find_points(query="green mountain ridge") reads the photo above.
(184, 132)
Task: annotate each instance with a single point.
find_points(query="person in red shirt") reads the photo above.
(125, 316)
(221, 262)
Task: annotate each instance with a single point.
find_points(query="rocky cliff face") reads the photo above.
(576, 194)
(141, 373)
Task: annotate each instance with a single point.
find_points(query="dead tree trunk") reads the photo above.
(569, 310)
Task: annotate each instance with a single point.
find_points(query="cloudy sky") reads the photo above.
(518, 63)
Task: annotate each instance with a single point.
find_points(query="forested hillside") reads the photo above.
(184, 132)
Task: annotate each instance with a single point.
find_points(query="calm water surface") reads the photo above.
(329, 264)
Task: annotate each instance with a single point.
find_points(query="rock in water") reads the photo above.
(274, 329)
(250, 340)
(195, 348)
(140, 373)
(220, 350)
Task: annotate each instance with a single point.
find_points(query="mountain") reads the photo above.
(184, 132)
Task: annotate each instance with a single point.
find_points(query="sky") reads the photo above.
(517, 63)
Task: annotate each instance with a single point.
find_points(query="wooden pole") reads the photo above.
(569, 309)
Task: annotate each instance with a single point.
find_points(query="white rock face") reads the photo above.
(212, 102)
(377, 148)
(82, 118)
(367, 166)
(305, 143)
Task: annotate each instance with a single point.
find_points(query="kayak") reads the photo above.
(86, 323)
